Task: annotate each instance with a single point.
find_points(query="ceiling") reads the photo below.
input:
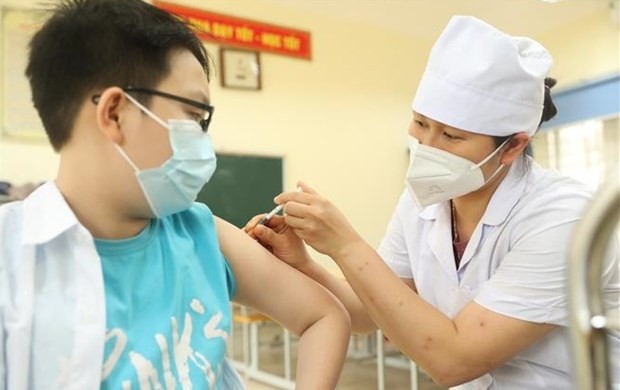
(426, 18)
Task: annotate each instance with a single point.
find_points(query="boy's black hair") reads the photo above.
(89, 45)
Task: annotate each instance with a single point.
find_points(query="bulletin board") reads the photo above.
(242, 187)
(18, 117)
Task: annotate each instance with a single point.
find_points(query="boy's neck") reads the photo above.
(92, 205)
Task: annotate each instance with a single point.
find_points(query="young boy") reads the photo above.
(111, 276)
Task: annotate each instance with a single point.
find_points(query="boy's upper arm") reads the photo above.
(231, 282)
(270, 286)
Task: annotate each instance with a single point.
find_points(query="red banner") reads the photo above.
(250, 34)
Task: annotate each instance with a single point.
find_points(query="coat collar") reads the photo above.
(502, 202)
(507, 194)
(46, 215)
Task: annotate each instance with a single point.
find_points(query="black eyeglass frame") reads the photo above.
(204, 123)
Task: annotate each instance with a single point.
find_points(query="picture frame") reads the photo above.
(240, 69)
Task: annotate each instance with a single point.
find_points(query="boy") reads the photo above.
(111, 276)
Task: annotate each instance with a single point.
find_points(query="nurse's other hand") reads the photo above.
(318, 222)
(280, 240)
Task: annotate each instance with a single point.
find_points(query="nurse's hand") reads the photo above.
(318, 222)
(280, 240)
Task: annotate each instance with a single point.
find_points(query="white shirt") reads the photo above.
(52, 302)
(515, 264)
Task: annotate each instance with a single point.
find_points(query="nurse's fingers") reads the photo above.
(251, 224)
(296, 223)
(306, 188)
(300, 211)
(304, 194)
(275, 223)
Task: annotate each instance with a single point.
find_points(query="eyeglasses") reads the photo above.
(208, 109)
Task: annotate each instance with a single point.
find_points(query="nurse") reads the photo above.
(470, 278)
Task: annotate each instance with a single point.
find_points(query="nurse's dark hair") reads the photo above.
(549, 111)
(86, 46)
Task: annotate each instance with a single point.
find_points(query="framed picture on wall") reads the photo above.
(240, 69)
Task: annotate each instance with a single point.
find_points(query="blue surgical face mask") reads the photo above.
(174, 186)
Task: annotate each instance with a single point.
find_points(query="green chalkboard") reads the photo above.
(242, 186)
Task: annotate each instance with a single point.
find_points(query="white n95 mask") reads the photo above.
(174, 186)
(435, 175)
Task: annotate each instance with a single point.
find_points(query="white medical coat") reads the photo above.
(52, 301)
(515, 264)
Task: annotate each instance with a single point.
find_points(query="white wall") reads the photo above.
(585, 50)
(22, 160)
(339, 120)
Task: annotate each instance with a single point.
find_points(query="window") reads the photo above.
(587, 151)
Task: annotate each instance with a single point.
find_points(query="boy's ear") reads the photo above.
(108, 114)
(514, 148)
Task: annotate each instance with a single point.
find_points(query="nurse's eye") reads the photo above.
(418, 123)
(450, 136)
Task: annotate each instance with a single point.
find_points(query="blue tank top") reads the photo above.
(168, 293)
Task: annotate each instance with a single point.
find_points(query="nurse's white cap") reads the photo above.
(482, 80)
